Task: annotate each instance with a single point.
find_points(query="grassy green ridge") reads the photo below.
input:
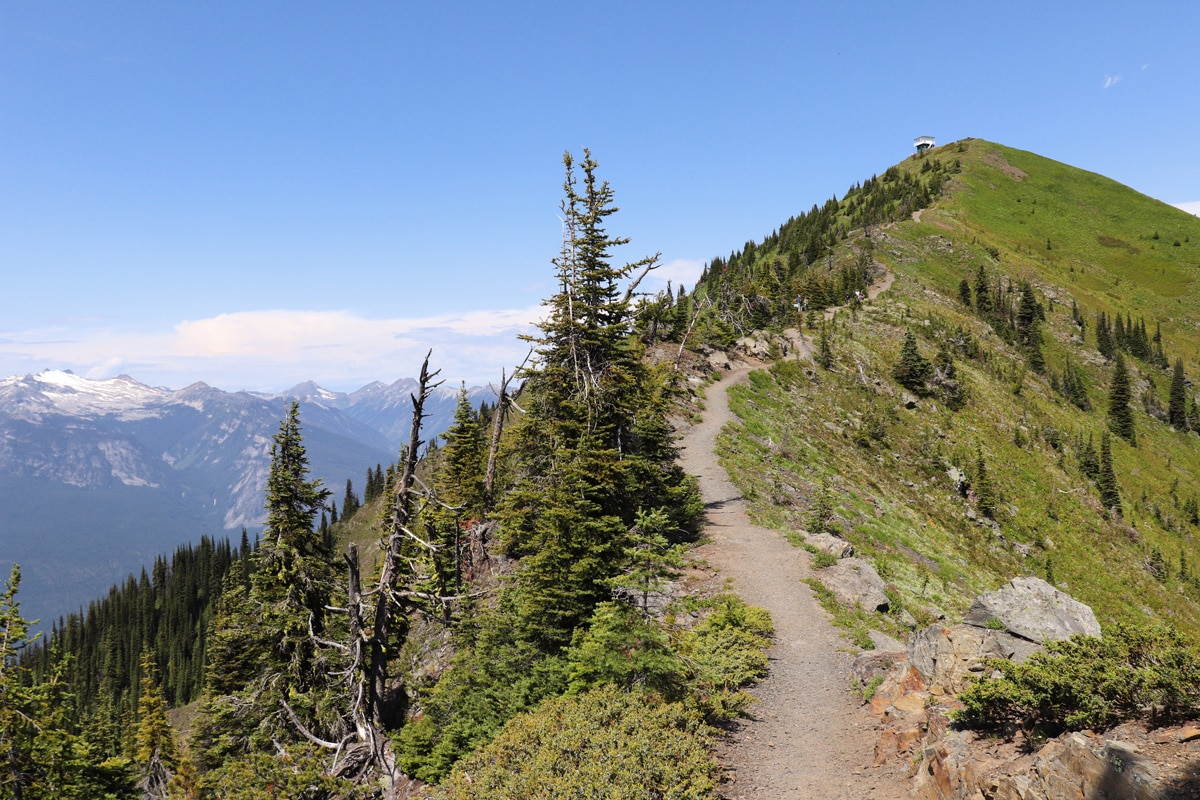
(886, 465)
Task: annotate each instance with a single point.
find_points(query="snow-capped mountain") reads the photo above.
(97, 477)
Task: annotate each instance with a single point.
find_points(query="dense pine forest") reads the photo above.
(1021, 401)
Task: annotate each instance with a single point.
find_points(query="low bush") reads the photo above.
(601, 743)
(1133, 672)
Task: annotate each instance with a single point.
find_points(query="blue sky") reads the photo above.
(254, 194)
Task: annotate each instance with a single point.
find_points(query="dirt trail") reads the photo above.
(809, 739)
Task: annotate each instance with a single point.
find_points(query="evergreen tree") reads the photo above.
(595, 440)
(1120, 413)
(1177, 408)
(462, 461)
(42, 755)
(265, 654)
(985, 491)
(1089, 459)
(350, 502)
(154, 743)
(1074, 386)
(964, 292)
(912, 369)
(983, 293)
(824, 349)
(1029, 316)
(592, 456)
(1106, 480)
(16, 697)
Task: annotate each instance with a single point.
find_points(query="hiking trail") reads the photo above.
(809, 738)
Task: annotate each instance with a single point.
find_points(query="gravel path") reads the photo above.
(809, 738)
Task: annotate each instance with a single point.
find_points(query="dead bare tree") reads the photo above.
(372, 637)
(489, 481)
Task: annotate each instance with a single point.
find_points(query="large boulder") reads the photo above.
(856, 583)
(1034, 610)
(947, 657)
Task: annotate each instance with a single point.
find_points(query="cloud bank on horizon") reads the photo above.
(274, 349)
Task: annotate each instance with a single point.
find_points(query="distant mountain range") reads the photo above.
(97, 477)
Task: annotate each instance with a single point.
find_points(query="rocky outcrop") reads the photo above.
(912, 697)
(1073, 766)
(1034, 610)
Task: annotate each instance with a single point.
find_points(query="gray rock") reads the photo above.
(855, 583)
(719, 360)
(833, 545)
(876, 663)
(754, 345)
(1034, 610)
(887, 644)
(946, 656)
(957, 477)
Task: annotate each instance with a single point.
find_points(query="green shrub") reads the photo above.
(1088, 682)
(726, 651)
(821, 560)
(624, 648)
(602, 743)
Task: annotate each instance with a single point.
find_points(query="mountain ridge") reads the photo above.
(180, 463)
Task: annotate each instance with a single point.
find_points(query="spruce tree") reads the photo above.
(154, 742)
(1177, 408)
(1074, 386)
(983, 293)
(912, 369)
(266, 653)
(1120, 413)
(350, 502)
(1029, 316)
(593, 448)
(1089, 460)
(985, 491)
(1106, 480)
(462, 461)
(824, 349)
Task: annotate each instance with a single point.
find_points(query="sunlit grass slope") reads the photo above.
(1079, 239)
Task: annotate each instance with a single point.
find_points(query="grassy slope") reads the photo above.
(894, 499)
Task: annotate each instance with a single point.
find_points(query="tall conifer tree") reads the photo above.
(1177, 406)
(1106, 480)
(1120, 413)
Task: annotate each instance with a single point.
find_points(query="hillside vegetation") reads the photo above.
(495, 618)
(986, 467)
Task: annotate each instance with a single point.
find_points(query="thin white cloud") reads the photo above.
(271, 350)
(1111, 80)
(1191, 208)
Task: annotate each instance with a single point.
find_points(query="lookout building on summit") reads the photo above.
(923, 143)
